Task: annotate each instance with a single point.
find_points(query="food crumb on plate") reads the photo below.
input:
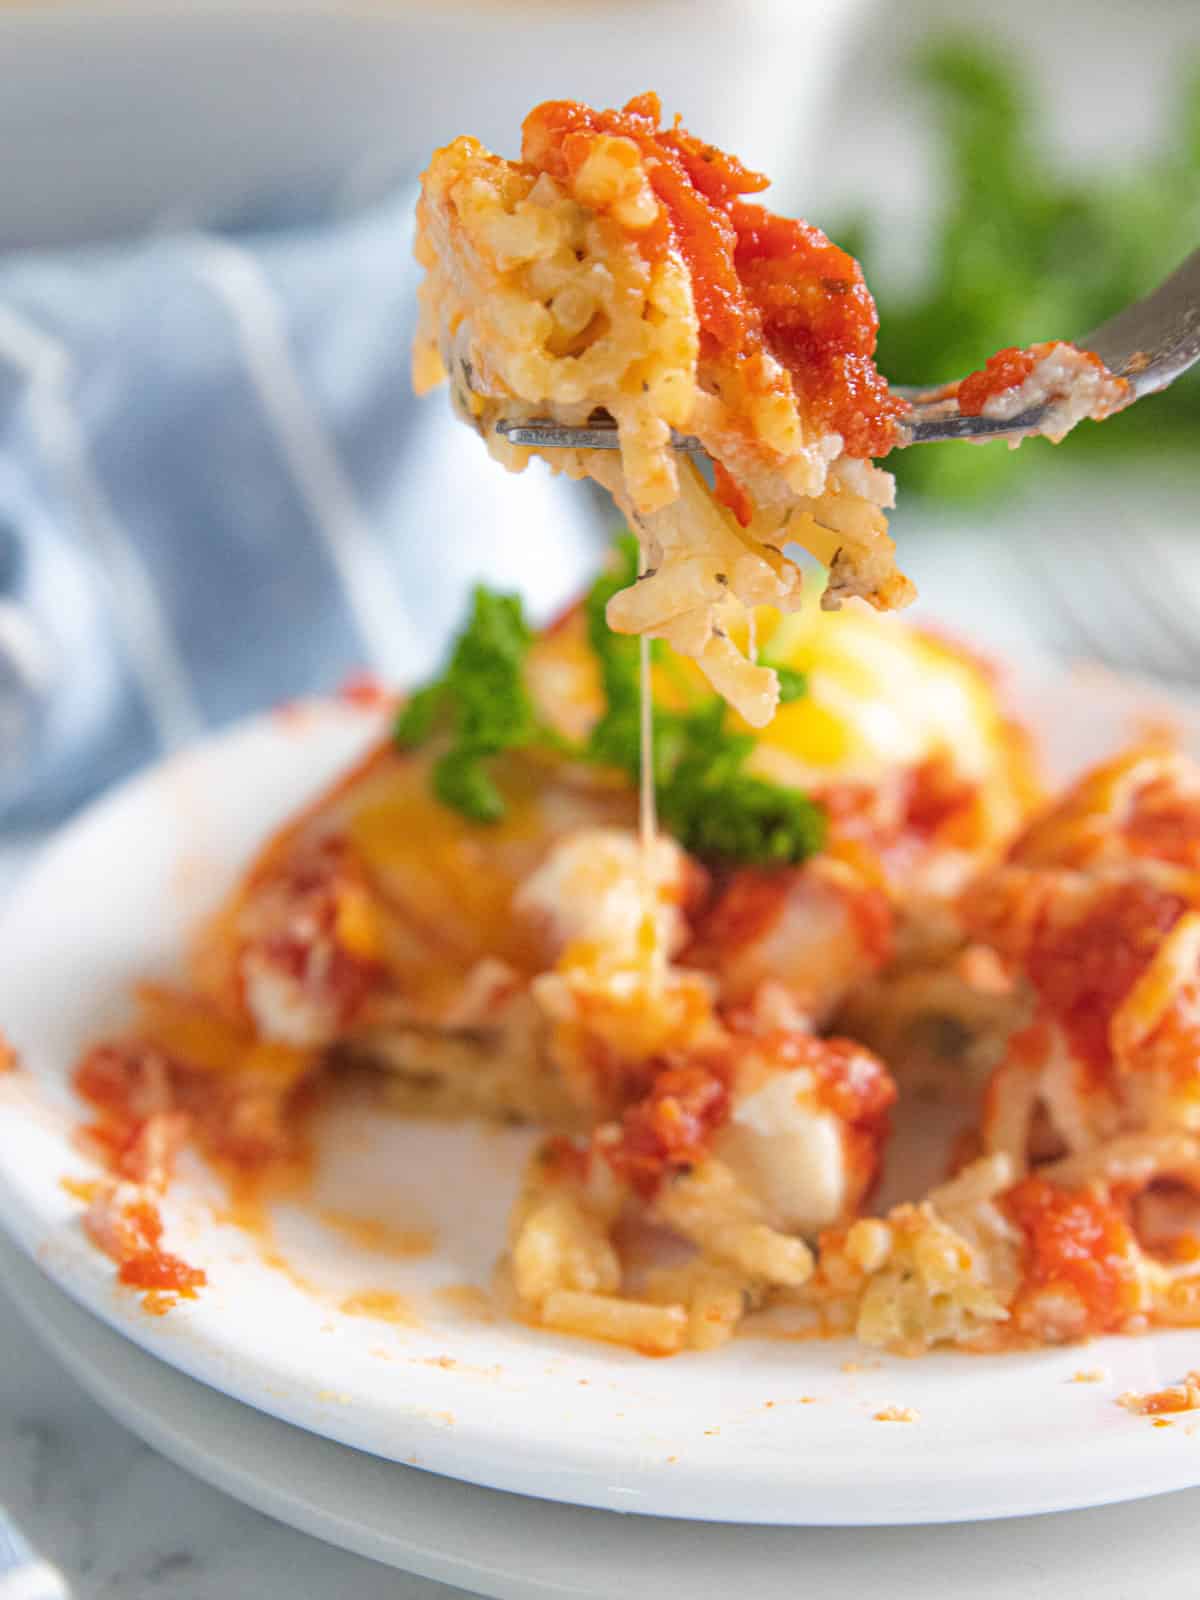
(85, 1189)
(468, 1299)
(366, 690)
(1183, 1396)
(382, 1304)
(897, 1414)
(1089, 1375)
(382, 1238)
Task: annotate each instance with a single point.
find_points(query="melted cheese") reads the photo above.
(880, 696)
(788, 1152)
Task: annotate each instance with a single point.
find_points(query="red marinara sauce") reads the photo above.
(852, 1081)
(1008, 369)
(1163, 823)
(760, 282)
(365, 690)
(1078, 1243)
(1083, 969)
(148, 1265)
(672, 1127)
(755, 898)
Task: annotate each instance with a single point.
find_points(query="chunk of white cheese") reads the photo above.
(788, 1151)
(600, 886)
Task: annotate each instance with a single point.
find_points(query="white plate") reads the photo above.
(521, 1549)
(726, 1436)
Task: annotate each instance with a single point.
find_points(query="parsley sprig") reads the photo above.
(481, 701)
(706, 798)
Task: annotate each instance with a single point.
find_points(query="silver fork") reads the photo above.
(1148, 344)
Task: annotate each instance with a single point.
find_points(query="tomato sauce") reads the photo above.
(730, 493)
(150, 1266)
(672, 1126)
(1078, 1244)
(901, 817)
(1084, 969)
(852, 1082)
(755, 898)
(760, 283)
(1008, 369)
(1163, 822)
(246, 1115)
(747, 910)
(365, 690)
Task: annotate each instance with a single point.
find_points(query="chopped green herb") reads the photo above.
(717, 810)
(706, 798)
(416, 719)
(793, 685)
(461, 781)
(482, 701)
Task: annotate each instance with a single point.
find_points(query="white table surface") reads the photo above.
(124, 1524)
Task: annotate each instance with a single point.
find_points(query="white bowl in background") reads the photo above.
(120, 117)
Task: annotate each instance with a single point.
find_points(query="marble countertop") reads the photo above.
(124, 1524)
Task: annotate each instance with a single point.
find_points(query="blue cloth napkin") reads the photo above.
(217, 491)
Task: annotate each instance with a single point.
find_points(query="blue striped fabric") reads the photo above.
(217, 491)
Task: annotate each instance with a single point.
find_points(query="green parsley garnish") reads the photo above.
(793, 685)
(481, 699)
(706, 798)
(717, 810)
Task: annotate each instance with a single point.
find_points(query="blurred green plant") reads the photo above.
(1023, 252)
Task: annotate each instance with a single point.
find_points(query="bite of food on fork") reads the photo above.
(615, 302)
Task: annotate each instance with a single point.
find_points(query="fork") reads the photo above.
(1148, 344)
